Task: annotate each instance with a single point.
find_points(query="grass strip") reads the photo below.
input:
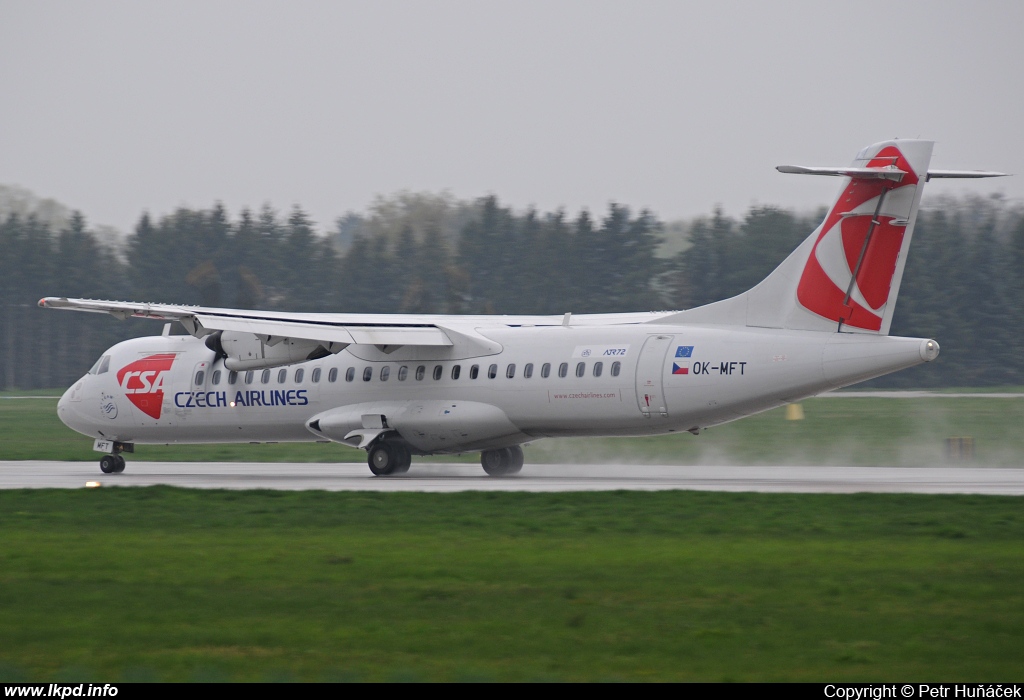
(173, 584)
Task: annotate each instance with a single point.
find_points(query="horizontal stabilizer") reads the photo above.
(884, 173)
(888, 172)
(963, 174)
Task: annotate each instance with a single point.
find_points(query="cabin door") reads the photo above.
(650, 368)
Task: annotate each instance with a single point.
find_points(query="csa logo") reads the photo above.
(143, 382)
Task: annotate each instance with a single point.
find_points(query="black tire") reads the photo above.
(516, 460)
(404, 459)
(496, 462)
(383, 459)
(120, 464)
(108, 464)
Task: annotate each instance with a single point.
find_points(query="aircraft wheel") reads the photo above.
(108, 464)
(500, 462)
(516, 459)
(120, 464)
(404, 459)
(383, 459)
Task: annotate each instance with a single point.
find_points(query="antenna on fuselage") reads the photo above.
(566, 319)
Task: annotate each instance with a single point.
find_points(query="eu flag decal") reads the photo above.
(676, 369)
(684, 351)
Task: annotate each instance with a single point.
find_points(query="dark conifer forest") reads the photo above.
(964, 281)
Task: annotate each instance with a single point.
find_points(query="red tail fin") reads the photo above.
(849, 275)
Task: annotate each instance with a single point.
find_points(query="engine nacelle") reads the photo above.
(244, 351)
(432, 426)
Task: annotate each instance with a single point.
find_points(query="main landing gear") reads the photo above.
(393, 458)
(503, 462)
(389, 459)
(112, 464)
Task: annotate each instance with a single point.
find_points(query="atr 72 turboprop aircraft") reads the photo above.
(399, 385)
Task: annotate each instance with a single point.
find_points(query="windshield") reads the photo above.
(101, 366)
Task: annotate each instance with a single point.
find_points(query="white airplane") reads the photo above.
(399, 385)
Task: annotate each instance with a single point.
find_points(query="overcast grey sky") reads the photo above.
(119, 107)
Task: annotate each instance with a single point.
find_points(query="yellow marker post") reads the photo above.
(795, 411)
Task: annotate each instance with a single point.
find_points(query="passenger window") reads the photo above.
(266, 376)
(350, 374)
(316, 376)
(456, 371)
(616, 366)
(474, 371)
(332, 376)
(563, 369)
(492, 371)
(545, 370)
(403, 372)
(232, 377)
(215, 377)
(367, 374)
(298, 375)
(282, 376)
(200, 376)
(437, 372)
(581, 369)
(248, 377)
(510, 371)
(598, 366)
(420, 372)
(385, 372)
(528, 370)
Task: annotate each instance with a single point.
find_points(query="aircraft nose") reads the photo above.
(63, 409)
(67, 407)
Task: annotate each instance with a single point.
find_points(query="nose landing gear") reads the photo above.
(112, 464)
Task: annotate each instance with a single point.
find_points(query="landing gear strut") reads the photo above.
(503, 462)
(389, 459)
(112, 464)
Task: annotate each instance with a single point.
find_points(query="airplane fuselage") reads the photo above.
(550, 381)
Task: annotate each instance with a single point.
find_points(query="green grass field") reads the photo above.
(842, 431)
(171, 584)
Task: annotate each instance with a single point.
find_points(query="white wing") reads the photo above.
(379, 330)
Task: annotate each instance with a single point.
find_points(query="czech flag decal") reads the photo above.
(676, 369)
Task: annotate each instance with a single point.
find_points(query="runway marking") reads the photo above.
(448, 477)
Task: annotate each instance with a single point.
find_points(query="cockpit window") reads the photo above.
(102, 365)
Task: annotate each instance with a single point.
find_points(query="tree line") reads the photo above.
(418, 254)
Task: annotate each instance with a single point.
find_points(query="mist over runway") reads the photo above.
(449, 477)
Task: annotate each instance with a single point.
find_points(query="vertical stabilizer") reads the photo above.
(847, 274)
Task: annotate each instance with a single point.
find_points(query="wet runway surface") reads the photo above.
(438, 477)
